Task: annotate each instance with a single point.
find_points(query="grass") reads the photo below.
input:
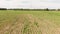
(29, 22)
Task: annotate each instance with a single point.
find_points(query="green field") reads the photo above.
(29, 22)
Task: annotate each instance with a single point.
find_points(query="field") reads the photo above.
(29, 22)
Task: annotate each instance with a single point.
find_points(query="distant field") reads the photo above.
(29, 22)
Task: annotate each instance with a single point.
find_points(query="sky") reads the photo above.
(30, 4)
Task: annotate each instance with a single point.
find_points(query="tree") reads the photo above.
(47, 9)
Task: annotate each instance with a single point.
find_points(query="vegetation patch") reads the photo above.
(29, 22)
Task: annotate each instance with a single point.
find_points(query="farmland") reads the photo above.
(29, 22)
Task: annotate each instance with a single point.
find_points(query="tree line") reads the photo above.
(46, 9)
